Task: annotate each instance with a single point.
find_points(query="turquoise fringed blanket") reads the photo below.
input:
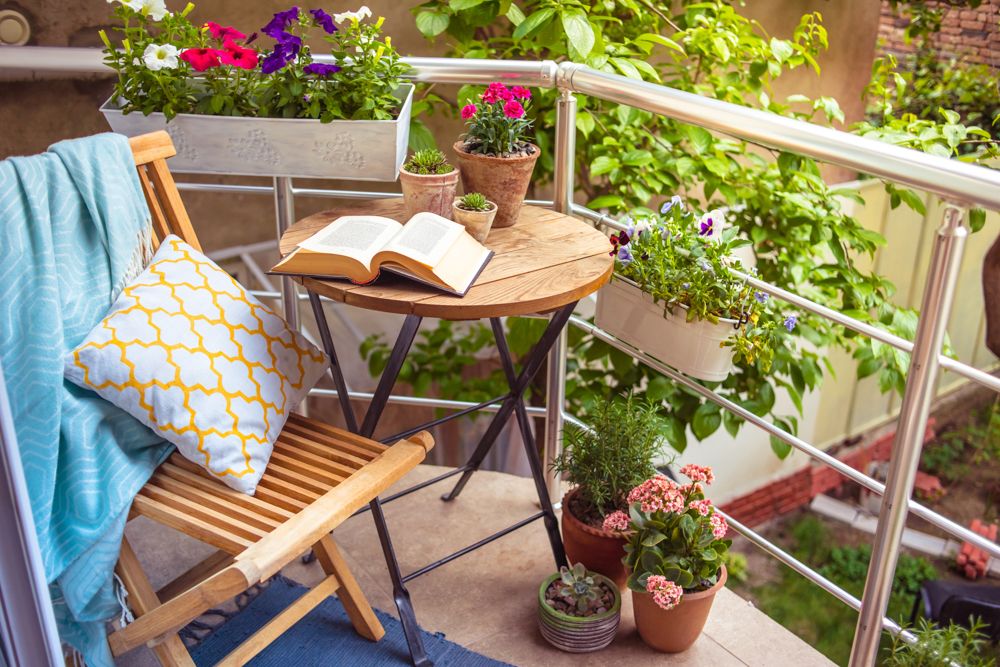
(74, 227)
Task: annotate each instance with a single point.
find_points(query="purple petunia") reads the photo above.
(279, 22)
(324, 20)
(321, 69)
(790, 322)
(284, 53)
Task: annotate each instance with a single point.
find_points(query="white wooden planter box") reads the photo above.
(631, 315)
(357, 150)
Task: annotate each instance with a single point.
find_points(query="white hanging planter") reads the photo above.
(694, 348)
(357, 150)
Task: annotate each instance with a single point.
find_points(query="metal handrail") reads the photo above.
(957, 182)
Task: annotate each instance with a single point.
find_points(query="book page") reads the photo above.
(425, 238)
(357, 236)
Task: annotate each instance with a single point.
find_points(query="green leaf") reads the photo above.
(460, 5)
(515, 15)
(655, 38)
(977, 218)
(534, 23)
(652, 538)
(707, 420)
(700, 138)
(602, 164)
(421, 138)
(781, 448)
(579, 33)
(781, 49)
(585, 123)
(432, 24)
(606, 201)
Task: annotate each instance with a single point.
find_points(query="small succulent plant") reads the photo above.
(475, 201)
(579, 586)
(428, 161)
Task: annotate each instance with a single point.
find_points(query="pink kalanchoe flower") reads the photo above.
(703, 507)
(469, 110)
(513, 109)
(223, 32)
(520, 93)
(697, 473)
(719, 526)
(617, 521)
(666, 594)
(658, 494)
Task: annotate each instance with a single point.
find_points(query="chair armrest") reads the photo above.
(290, 539)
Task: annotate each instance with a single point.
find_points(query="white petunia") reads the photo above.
(160, 56)
(362, 13)
(154, 9)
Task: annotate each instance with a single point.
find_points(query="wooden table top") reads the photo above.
(545, 261)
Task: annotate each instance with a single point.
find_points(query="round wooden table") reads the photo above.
(545, 261)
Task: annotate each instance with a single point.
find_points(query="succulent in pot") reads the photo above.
(494, 156)
(604, 464)
(475, 212)
(578, 610)
(675, 554)
(428, 182)
(675, 294)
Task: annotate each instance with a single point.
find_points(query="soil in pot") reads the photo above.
(674, 630)
(587, 542)
(568, 607)
(503, 180)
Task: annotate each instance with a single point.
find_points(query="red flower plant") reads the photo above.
(238, 56)
(513, 109)
(201, 59)
(223, 33)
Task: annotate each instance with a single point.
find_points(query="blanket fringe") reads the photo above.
(121, 593)
(141, 257)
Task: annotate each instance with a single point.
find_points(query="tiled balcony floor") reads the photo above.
(486, 600)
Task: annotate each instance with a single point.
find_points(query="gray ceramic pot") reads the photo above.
(575, 634)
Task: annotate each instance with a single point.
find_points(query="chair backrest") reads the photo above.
(961, 609)
(169, 215)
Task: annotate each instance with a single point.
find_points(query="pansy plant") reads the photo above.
(685, 260)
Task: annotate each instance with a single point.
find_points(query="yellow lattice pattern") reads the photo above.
(207, 318)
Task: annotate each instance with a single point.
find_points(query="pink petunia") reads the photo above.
(521, 93)
(513, 109)
(238, 56)
(223, 33)
(469, 110)
(666, 594)
(201, 59)
(616, 521)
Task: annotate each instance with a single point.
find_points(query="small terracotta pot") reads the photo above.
(477, 223)
(503, 180)
(428, 192)
(674, 630)
(575, 634)
(599, 550)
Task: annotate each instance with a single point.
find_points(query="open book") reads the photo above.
(427, 248)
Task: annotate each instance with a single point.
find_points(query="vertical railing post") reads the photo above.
(921, 386)
(284, 216)
(555, 383)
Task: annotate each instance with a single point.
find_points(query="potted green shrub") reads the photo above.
(674, 294)
(604, 464)
(428, 183)
(476, 213)
(578, 611)
(494, 156)
(676, 552)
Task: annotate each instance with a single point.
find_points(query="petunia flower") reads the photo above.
(324, 20)
(238, 56)
(160, 56)
(321, 69)
(790, 322)
(154, 9)
(469, 110)
(362, 13)
(280, 21)
(521, 93)
(223, 33)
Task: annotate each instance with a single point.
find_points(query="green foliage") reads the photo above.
(737, 566)
(474, 201)
(686, 261)
(618, 454)
(977, 443)
(428, 161)
(364, 88)
(942, 647)
(579, 587)
(850, 564)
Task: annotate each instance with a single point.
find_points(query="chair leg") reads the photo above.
(355, 603)
(143, 599)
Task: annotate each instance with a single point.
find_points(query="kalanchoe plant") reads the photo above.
(498, 123)
(168, 64)
(577, 586)
(475, 201)
(428, 161)
(678, 540)
(686, 261)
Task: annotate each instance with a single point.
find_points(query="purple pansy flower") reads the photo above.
(280, 21)
(705, 227)
(790, 322)
(761, 297)
(321, 69)
(625, 255)
(685, 285)
(324, 20)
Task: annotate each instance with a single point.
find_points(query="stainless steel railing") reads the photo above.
(961, 184)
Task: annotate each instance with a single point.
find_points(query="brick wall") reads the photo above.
(970, 33)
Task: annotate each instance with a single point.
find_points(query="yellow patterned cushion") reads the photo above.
(189, 353)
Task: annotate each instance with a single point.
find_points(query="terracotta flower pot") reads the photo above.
(477, 223)
(503, 180)
(428, 192)
(578, 634)
(674, 630)
(599, 550)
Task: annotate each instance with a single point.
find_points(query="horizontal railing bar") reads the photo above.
(959, 368)
(812, 575)
(443, 420)
(420, 401)
(948, 178)
(856, 476)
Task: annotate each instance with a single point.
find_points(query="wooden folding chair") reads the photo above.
(317, 477)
